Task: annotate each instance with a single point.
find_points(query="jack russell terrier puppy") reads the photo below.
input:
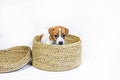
(55, 35)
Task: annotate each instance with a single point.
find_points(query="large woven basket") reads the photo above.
(51, 57)
(14, 58)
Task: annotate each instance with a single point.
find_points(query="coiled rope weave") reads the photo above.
(14, 58)
(51, 57)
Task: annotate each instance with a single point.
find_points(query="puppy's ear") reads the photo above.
(50, 30)
(66, 31)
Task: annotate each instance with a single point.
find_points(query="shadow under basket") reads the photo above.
(52, 57)
(14, 58)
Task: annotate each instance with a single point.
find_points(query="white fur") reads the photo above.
(45, 39)
(59, 38)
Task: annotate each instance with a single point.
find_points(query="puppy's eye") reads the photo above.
(63, 35)
(56, 35)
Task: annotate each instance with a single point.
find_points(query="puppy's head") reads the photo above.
(57, 34)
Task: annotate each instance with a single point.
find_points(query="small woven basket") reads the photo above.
(51, 57)
(14, 58)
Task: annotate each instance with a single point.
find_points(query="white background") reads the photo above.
(96, 22)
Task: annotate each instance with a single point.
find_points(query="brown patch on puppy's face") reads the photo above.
(58, 33)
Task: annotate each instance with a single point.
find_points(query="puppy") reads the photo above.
(55, 35)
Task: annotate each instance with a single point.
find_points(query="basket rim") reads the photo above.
(55, 45)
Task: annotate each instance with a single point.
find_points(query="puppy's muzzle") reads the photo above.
(60, 43)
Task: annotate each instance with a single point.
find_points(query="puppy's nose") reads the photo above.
(60, 42)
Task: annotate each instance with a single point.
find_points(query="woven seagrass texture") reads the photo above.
(14, 58)
(51, 57)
